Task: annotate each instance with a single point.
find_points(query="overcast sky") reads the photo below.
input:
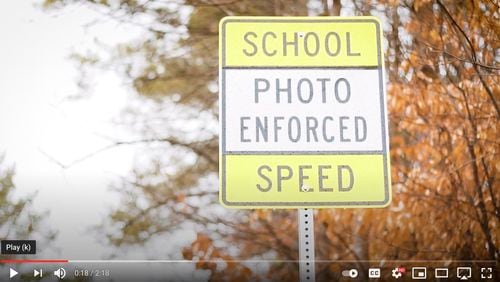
(37, 120)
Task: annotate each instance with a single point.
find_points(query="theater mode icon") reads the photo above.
(441, 273)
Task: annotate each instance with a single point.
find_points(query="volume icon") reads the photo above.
(60, 273)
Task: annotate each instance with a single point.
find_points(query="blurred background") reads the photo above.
(109, 135)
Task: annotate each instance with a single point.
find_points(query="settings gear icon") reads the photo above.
(398, 272)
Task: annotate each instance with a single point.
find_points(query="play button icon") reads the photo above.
(13, 273)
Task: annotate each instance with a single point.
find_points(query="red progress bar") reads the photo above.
(34, 261)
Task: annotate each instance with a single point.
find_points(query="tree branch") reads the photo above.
(192, 146)
(473, 56)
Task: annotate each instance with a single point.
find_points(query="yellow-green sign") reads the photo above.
(303, 113)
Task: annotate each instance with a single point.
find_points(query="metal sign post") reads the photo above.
(306, 245)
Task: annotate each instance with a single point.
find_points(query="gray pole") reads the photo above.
(306, 245)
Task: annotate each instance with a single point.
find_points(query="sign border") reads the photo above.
(222, 143)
